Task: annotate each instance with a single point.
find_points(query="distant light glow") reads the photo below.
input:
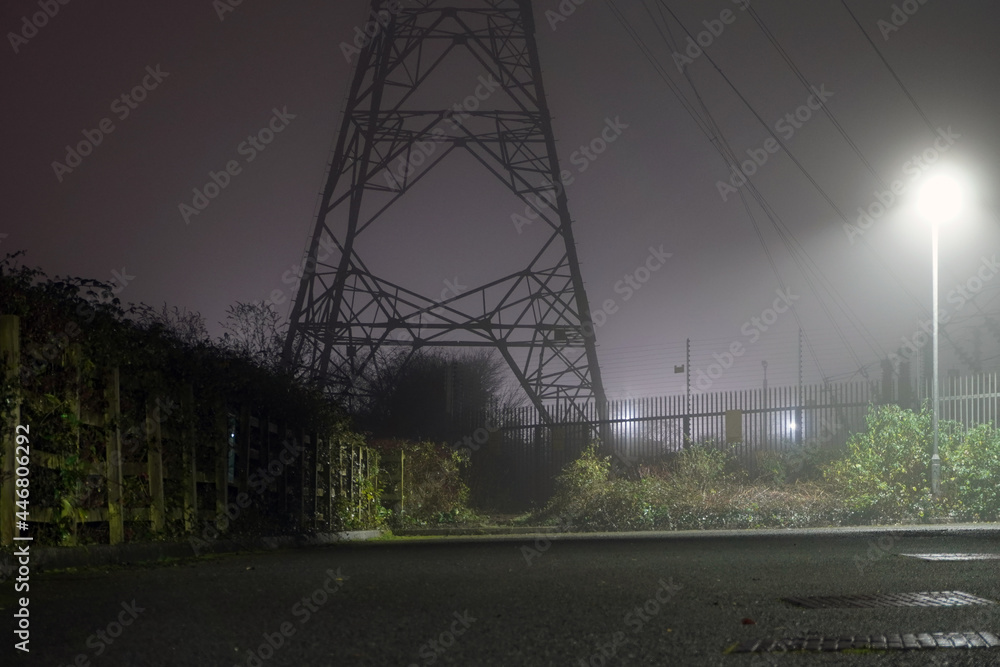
(942, 197)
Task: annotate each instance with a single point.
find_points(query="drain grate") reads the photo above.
(933, 599)
(947, 556)
(923, 640)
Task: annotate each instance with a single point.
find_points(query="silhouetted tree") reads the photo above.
(188, 327)
(255, 332)
(433, 394)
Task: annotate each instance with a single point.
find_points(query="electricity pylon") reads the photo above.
(537, 316)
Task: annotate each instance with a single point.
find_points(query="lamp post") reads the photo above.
(940, 201)
(935, 458)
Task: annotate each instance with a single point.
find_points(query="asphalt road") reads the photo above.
(673, 601)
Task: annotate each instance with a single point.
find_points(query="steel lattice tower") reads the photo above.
(536, 317)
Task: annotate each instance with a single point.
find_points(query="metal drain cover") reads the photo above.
(933, 599)
(923, 640)
(953, 556)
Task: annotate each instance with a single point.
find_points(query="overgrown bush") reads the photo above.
(434, 491)
(886, 473)
(795, 462)
(703, 487)
(704, 468)
(585, 497)
(884, 476)
(974, 485)
(71, 331)
(582, 481)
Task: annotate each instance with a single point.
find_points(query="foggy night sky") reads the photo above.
(655, 185)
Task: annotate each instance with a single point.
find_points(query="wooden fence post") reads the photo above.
(359, 479)
(394, 492)
(10, 356)
(282, 479)
(343, 481)
(306, 488)
(243, 449)
(75, 357)
(220, 434)
(154, 463)
(189, 460)
(113, 455)
(271, 446)
(321, 484)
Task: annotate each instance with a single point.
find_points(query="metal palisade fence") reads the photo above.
(969, 400)
(522, 455)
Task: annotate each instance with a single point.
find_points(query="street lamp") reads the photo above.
(940, 201)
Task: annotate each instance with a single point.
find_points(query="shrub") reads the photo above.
(884, 477)
(432, 483)
(975, 467)
(795, 462)
(771, 468)
(705, 468)
(886, 473)
(72, 330)
(694, 491)
(577, 487)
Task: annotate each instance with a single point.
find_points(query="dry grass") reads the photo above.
(699, 491)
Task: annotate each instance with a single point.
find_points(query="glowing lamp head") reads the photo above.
(942, 197)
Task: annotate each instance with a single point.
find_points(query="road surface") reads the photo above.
(518, 601)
